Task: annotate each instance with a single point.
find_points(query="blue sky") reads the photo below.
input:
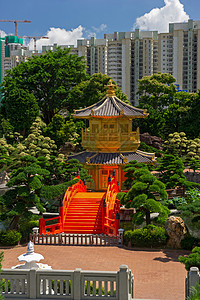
(92, 17)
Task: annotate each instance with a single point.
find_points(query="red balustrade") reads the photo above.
(111, 208)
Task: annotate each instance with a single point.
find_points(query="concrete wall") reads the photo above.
(72, 285)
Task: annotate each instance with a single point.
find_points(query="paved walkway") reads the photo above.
(158, 274)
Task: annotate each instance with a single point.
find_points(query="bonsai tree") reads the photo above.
(129, 170)
(144, 194)
(192, 260)
(27, 181)
(178, 145)
(171, 171)
(36, 144)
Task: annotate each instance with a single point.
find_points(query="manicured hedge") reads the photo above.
(149, 236)
(10, 237)
(189, 242)
(192, 260)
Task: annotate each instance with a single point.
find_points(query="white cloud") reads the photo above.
(159, 18)
(59, 36)
(101, 28)
(95, 30)
(2, 34)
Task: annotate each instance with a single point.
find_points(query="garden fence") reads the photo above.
(77, 239)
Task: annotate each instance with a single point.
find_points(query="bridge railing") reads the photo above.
(58, 226)
(111, 207)
(72, 285)
(69, 195)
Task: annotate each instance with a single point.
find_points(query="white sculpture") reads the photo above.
(30, 257)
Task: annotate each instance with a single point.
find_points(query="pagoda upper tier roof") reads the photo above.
(113, 158)
(110, 106)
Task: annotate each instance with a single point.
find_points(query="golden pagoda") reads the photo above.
(109, 140)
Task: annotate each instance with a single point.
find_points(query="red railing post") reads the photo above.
(117, 223)
(42, 226)
(112, 218)
(61, 214)
(103, 214)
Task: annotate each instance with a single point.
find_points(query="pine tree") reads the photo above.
(143, 193)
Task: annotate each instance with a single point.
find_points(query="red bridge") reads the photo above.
(86, 212)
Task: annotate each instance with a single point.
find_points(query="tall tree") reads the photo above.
(157, 90)
(61, 130)
(49, 77)
(169, 110)
(92, 90)
(20, 108)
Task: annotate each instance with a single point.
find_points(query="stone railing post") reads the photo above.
(35, 230)
(123, 283)
(193, 278)
(121, 235)
(77, 284)
(32, 288)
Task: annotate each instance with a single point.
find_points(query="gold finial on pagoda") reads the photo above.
(110, 86)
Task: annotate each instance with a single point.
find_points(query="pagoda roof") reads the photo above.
(113, 158)
(110, 106)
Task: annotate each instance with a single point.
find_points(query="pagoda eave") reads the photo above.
(111, 117)
(113, 158)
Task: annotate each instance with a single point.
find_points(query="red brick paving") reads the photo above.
(158, 274)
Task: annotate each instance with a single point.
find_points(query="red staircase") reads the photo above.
(84, 214)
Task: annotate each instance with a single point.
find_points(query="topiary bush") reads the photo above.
(10, 237)
(149, 236)
(25, 228)
(192, 260)
(189, 242)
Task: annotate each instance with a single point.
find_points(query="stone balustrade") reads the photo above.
(72, 285)
(192, 278)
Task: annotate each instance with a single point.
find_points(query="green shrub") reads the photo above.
(91, 287)
(195, 292)
(10, 237)
(149, 236)
(26, 227)
(127, 225)
(3, 285)
(175, 202)
(189, 242)
(192, 260)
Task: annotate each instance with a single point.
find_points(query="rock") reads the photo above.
(176, 230)
(150, 140)
(4, 178)
(66, 148)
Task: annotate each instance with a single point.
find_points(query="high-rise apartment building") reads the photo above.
(128, 56)
(2, 55)
(124, 56)
(179, 54)
(12, 53)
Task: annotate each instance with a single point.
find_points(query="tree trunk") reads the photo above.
(14, 223)
(148, 220)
